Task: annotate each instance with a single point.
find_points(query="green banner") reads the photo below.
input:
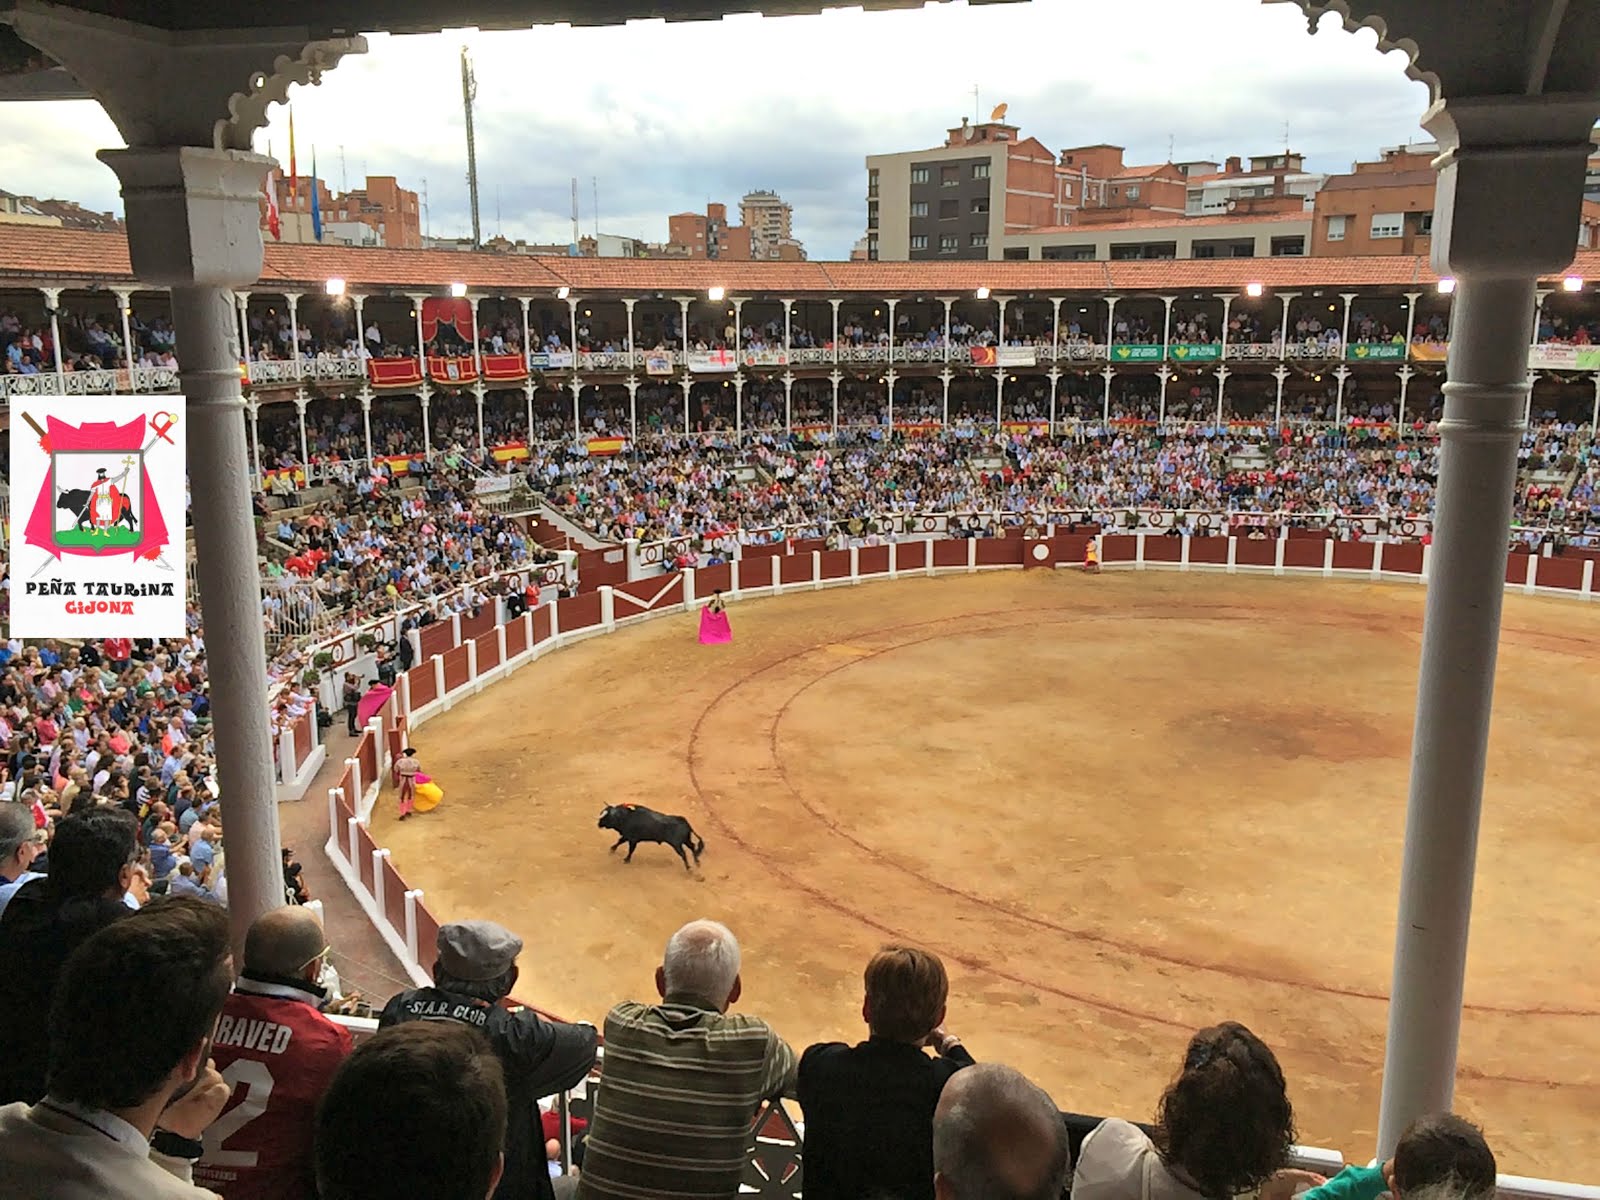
(1374, 352)
(1196, 351)
(1133, 353)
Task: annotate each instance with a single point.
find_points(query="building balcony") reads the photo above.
(90, 383)
(266, 372)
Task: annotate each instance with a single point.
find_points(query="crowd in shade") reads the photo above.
(453, 1092)
(89, 342)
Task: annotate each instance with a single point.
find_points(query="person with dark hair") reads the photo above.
(475, 970)
(278, 1053)
(1223, 1127)
(131, 1085)
(869, 1107)
(415, 1110)
(997, 1136)
(92, 862)
(1441, 1151)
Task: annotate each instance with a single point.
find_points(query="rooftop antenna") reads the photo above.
(499, 231)
(1286, 137)
(574, 214)
(344, 171)
(427, 224)
(1171, 142)
(976, 107)
(595, 180)
(469, 93)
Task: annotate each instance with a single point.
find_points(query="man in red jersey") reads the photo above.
(278, 1053)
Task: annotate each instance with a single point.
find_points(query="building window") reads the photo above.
(919, 241)
(980, 170)
(919, 174)
(1336, 229)
(872, 248)
(1066, 191)
(1133, 191)
(872, 214)
(1388, 225)
(872, 182)
(949, 210)
(949, 176)
(979, 239)
(1015, 252)
(980, 206)
(1425, 223)
(919, 208)
(1288, 246)
(947, 243)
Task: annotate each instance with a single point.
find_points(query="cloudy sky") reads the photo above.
(666, 117)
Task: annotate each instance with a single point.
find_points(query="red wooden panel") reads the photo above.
(346, 784)
(1403, 556)
(591, 577)
(1118, 547)
(455, 669)
(477, 626)
(766, 550)
(580, 612)
(1068, 547)
(422, 685)
(911, 556)
(1296, 533)
(807, 545)
(997, 551)
(836, 564)
(1163, 549)
(427, 937)
(394, 898)
(1517, 566)
(436, 639)
(367, 756)
(873, 560)
(1352, 556)
(1561, 572)
(488, 651)
(541, 623)
(516, 637)
(795, 568)
(1303, 552)
(1212, 550)
(302, 737)
(950, 552)
(363, 864)
(711, 579)
(1255, 554)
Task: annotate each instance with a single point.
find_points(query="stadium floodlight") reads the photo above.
(563, 292)
(458, 290)
(1252, 290)
(716, 293)
(1446, 286)
(982, 293)
(1572, 283)
(335, 287)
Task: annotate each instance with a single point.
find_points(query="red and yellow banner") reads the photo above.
(394, 372)
(602, 446)
(452, 370)
(984, 356)
(296, 474)
(509, 451)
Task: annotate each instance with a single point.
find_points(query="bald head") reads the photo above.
(997, 1137)
(702, 960)
(283, 942)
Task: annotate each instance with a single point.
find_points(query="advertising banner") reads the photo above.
(706, 361)
(658, 362)
(1014, 356)
(1130, 352)
(1556, 357)
(1375, 352)
(97, 493)
(1197, 351)
(550, 360)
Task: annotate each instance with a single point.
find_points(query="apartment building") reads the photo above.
(380, 214)
(1379, 207)
(770, 220)
(708, 235)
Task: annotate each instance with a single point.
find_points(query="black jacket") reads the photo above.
(540, 1059)
(869, 1118)
(37, 932)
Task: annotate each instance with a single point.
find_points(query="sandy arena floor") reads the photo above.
(1120, 807)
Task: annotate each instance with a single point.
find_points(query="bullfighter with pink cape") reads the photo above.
(714, 627)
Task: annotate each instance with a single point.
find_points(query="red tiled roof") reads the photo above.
(1380, 179)
(1143, 172)
(31, 255)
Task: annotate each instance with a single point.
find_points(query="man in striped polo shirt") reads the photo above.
(682, 1080)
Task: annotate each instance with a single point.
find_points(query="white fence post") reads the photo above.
(1427, 562)
(334, 796)
(816, 569)
(608, 607)
(287, 767)
(1377, 559)
(555, 622)
(972, 554)
(527, 618)
(777, 574)
(928, 556)
(378, 857)
(1233, 555)
(357, 785)
(1138, 551)
(1588, 577)
(411, 925)
(1533, 575)
(381, 742)
(438, 677)
(472, 666)
(1183, 555)
(735, 570)
(894, 561)
(690, 595)
(455, 629)
(855, 564)
(500, 644)
(403, 686)
(630, 552)
(1327, 558)
(1277, 555)
(355, 863)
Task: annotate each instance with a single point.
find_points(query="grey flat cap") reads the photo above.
(477, 950)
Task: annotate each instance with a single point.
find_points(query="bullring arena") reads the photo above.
(1120, 806)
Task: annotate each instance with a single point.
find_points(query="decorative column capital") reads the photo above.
(52, 298)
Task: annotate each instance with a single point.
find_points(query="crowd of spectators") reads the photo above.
(88, 343)
(251, 1090)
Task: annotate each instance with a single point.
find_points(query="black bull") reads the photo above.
(76, 501)
(634, 824)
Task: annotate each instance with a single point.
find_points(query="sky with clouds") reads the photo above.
(667, 117)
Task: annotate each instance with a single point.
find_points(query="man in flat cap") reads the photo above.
(475, 970)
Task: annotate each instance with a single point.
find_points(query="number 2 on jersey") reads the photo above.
(254, 1077)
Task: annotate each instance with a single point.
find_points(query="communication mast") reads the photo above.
(469, 93)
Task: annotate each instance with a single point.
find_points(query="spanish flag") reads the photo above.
(612, 444)
(983, 356)
(510, 452)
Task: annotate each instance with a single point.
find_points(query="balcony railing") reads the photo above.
(309, 370)
(90, 383)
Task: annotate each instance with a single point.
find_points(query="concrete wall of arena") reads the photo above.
(465, 655)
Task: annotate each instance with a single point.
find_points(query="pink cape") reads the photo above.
(377, 695)
(714, 627)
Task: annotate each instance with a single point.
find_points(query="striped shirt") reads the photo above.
(679, 1091)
